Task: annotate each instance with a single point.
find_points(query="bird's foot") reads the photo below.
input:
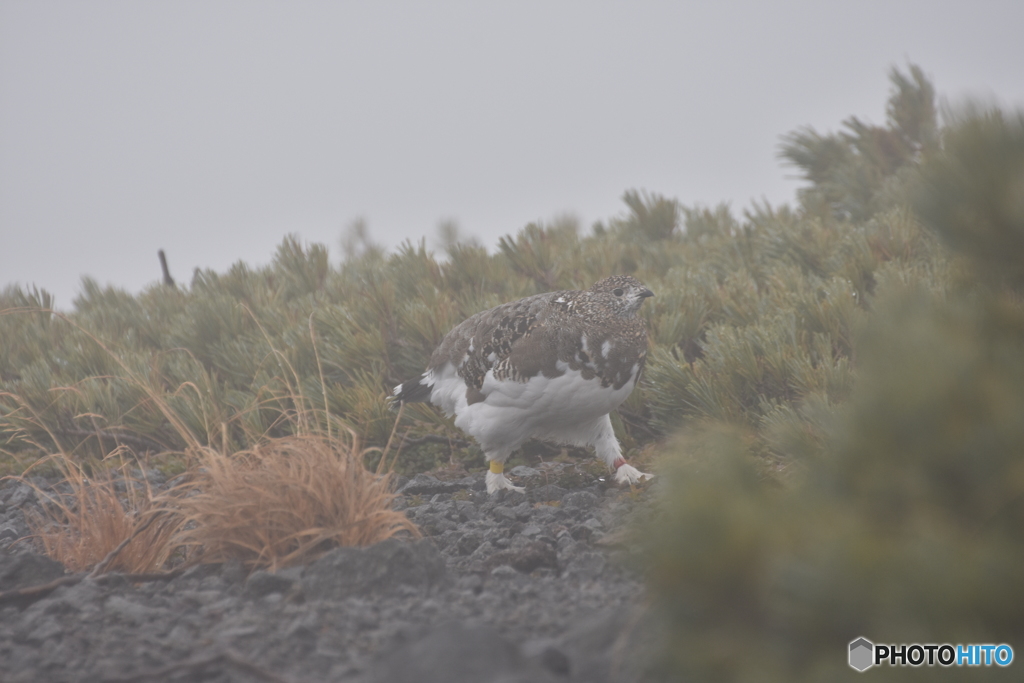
(627, 474)
(497, 481)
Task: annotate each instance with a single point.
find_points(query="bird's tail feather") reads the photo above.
(412, 391)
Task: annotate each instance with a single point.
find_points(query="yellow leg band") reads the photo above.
(497, 467)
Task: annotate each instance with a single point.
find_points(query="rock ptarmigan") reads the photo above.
(550, 366)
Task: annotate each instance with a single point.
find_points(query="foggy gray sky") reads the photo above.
(212, 129)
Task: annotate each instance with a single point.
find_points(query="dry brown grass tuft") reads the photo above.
(276, 503)
(285, 501)
(81, 527)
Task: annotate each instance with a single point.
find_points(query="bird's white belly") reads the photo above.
(561, 408)
(554, 400)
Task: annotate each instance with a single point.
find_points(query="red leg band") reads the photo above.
(619, 462)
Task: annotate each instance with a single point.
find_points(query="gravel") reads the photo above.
(508, 588)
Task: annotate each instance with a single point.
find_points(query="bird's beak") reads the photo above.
(644, 293)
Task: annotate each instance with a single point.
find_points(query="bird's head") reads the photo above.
(624, 294)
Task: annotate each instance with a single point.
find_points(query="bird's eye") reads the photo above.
(617, 291)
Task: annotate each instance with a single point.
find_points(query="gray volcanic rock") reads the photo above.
(457, 651)
(613, 644)
(27, 569)
(424, 484)
(509, 587)
(387, 567)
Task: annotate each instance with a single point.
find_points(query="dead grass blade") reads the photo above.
(320, 370)
(285, 501)
(303, 407)
(282, 501)
(95, 523)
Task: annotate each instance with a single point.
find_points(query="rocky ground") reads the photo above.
(509, 587)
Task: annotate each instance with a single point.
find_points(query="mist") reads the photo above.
(212, 130)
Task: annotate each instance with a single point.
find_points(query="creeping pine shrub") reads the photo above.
(906, 521)
(753, 315)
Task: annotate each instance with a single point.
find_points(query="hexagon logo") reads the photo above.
(862, 654)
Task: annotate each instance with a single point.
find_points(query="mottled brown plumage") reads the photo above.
(550, 366)
(524, 338)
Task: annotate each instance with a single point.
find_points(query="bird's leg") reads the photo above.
(496, 479)
(609, 450)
